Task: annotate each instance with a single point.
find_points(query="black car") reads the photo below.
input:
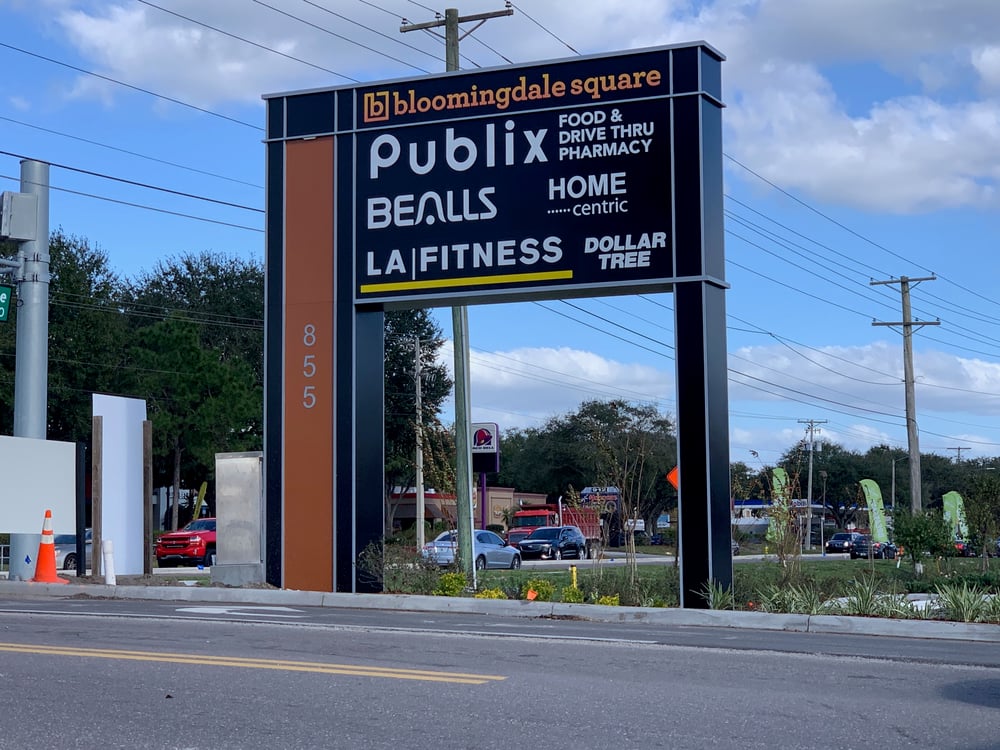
(842, 541)
(554, 543)
(865, 547)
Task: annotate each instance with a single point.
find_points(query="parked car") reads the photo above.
(865, 547)
(842, 541)
(964, 549)
(488, 550)
(192, 545)
(65, 546)
(554, 543)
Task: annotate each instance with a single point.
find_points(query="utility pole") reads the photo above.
(812, 429)
(912, 436)
(418, 381)
(25, 217)
(460, 315)
(958, 453)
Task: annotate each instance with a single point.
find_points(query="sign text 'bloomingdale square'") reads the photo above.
(510, 182)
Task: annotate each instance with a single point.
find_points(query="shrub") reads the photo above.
(451, 584)
(964, 603)
(718, 596)
(397, 569)
(544, 589)
(608, 601)
(660, 584)
(805, 600)
(862, 597)
(992, 612)
(572, 595)
(491, 594)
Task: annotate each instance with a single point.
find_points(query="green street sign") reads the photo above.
(5, 295)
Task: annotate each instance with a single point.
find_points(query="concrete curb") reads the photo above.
(934, 629)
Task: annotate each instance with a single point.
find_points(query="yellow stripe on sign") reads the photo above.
(511, 278)
(356, 670)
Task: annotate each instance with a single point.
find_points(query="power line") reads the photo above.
(140, 184)
(130, 86)
(369, 28)
(248, 41)
(339, 36)
(145, 207)
(132, 153)
(543, 28)
(860, 236)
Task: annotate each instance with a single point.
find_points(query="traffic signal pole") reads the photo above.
(31, 365)
(24, 217)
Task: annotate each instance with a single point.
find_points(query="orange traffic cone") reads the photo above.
(45, 563)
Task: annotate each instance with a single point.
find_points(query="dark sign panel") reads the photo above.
(520, 183)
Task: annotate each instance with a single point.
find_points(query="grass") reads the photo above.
(810, 586)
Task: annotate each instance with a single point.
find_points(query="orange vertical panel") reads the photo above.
(308, 366)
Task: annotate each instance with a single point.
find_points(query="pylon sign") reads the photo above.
(6, 294)
(581, 177)
(485, 447)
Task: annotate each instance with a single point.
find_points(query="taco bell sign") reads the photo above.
(485, 447)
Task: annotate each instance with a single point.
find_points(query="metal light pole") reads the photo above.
(892, 491)
(822, 515)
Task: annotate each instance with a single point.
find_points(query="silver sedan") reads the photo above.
(65, 548)
(488, 550)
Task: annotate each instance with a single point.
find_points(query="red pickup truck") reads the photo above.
(192, 545)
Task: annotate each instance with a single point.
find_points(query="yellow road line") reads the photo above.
(277, 664)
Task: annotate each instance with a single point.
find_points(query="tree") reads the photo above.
(844, 470)
(85, 342)
(633, 447)
(224, 295)
(403, 328)
(982, 510)
(920, 534)
(784, 527)
(199, 403)
(86, 335)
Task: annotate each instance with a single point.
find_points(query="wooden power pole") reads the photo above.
(913, 440)
(460, 316)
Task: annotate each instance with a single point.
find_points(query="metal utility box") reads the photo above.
(239, 518)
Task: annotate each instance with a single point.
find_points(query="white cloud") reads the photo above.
(177, 58)
(986, 61)
(525, 387)
(786, 119)
(858, 390)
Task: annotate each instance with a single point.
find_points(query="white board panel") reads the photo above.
(122, 494)
(35, 476)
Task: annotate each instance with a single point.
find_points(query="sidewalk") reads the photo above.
(936, 629)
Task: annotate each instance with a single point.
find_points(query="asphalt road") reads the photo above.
(157, 674)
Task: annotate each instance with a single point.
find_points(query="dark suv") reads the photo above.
(554, 543)
(843, 541)
(866, 547)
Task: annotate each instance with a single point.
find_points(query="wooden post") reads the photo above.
(147, 497)
(97, 483)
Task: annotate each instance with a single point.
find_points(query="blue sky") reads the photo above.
(862, 141)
